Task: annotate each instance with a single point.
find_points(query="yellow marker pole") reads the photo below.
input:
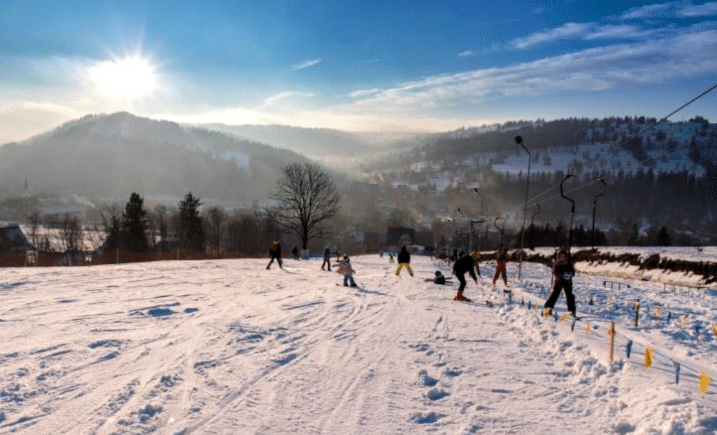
(587, 329)
(704, 383)
(682, 321)
(657, 313)
(648, 357)
(611, 333)
(714, 329)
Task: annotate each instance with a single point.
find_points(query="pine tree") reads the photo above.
(190, 232)
(134, 225)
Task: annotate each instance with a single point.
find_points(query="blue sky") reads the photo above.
(356, 66)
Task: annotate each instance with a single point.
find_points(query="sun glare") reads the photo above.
(130, 78)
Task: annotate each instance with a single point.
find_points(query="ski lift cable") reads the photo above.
(656, 123)
(532, 200)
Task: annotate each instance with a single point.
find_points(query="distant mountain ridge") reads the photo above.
(314, 142)
(103, 156)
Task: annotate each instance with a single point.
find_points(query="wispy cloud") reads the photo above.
(305, 64)
(646, 62)
(673, 9)
(363, 93)
(567, 30)
(466, 53)
(270, 101)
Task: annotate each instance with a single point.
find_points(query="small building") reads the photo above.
(12, 238)
(15, 250)
(400, 236)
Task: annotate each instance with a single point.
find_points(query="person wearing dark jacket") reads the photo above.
(327, 258)
(404, 260)
(563, 272)
(275, 254)
(464, 264)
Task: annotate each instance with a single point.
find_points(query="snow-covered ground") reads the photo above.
(228, 347)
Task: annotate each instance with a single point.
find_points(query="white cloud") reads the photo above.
(466, 53)
(703, 10)
(363, 93)
(305, 64)
(270, 101)
(677, 57)
(672, 9)
(567, 30)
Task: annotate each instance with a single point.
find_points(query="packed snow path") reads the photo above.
(228, 347)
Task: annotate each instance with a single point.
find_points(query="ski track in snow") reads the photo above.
(225, 347)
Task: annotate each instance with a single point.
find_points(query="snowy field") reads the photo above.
(228, 347)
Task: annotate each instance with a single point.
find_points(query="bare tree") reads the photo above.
(214, 222)
(71, 235)
(307, 197)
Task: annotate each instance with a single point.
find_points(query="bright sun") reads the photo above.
(130, 78)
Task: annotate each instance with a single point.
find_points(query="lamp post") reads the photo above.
(482, 219)
(532, 227)
(604, 188)
(572, 211)
(501, 229)
(519, 141)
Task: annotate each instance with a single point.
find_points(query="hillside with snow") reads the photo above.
(228, 347)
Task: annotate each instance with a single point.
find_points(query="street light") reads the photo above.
(572, 211)
(481, 215)
(604, 188)
(519, 141)
(501, 229)
(532, 227)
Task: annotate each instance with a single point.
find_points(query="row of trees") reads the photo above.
(306, 196)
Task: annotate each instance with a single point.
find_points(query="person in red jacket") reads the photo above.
(500, 266)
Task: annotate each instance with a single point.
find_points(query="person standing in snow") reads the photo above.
(295, 252)
(404, 260)
(390, 257)
(275, 254)
(500, 266)
(327, 258)
(345, 269)
(563, 272)
(463, 264)
(476, 261)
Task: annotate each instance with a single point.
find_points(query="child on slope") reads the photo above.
(345, 269)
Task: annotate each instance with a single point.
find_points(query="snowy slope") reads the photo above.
(228, 347)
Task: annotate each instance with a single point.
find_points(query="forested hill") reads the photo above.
(655, 174)
(107, 156)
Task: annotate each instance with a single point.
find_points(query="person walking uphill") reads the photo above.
(500, 266)
(404, 260)
(563, 272)
(327, 259)
(275, 254)
(463, 264)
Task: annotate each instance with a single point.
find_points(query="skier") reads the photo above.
(500, 266)
(404, 260)
(347, 271)
(327, 258)
(295, 252)
(439, 279)
(390, 257)
(275, 254)
(563, 272)
(463, 264)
